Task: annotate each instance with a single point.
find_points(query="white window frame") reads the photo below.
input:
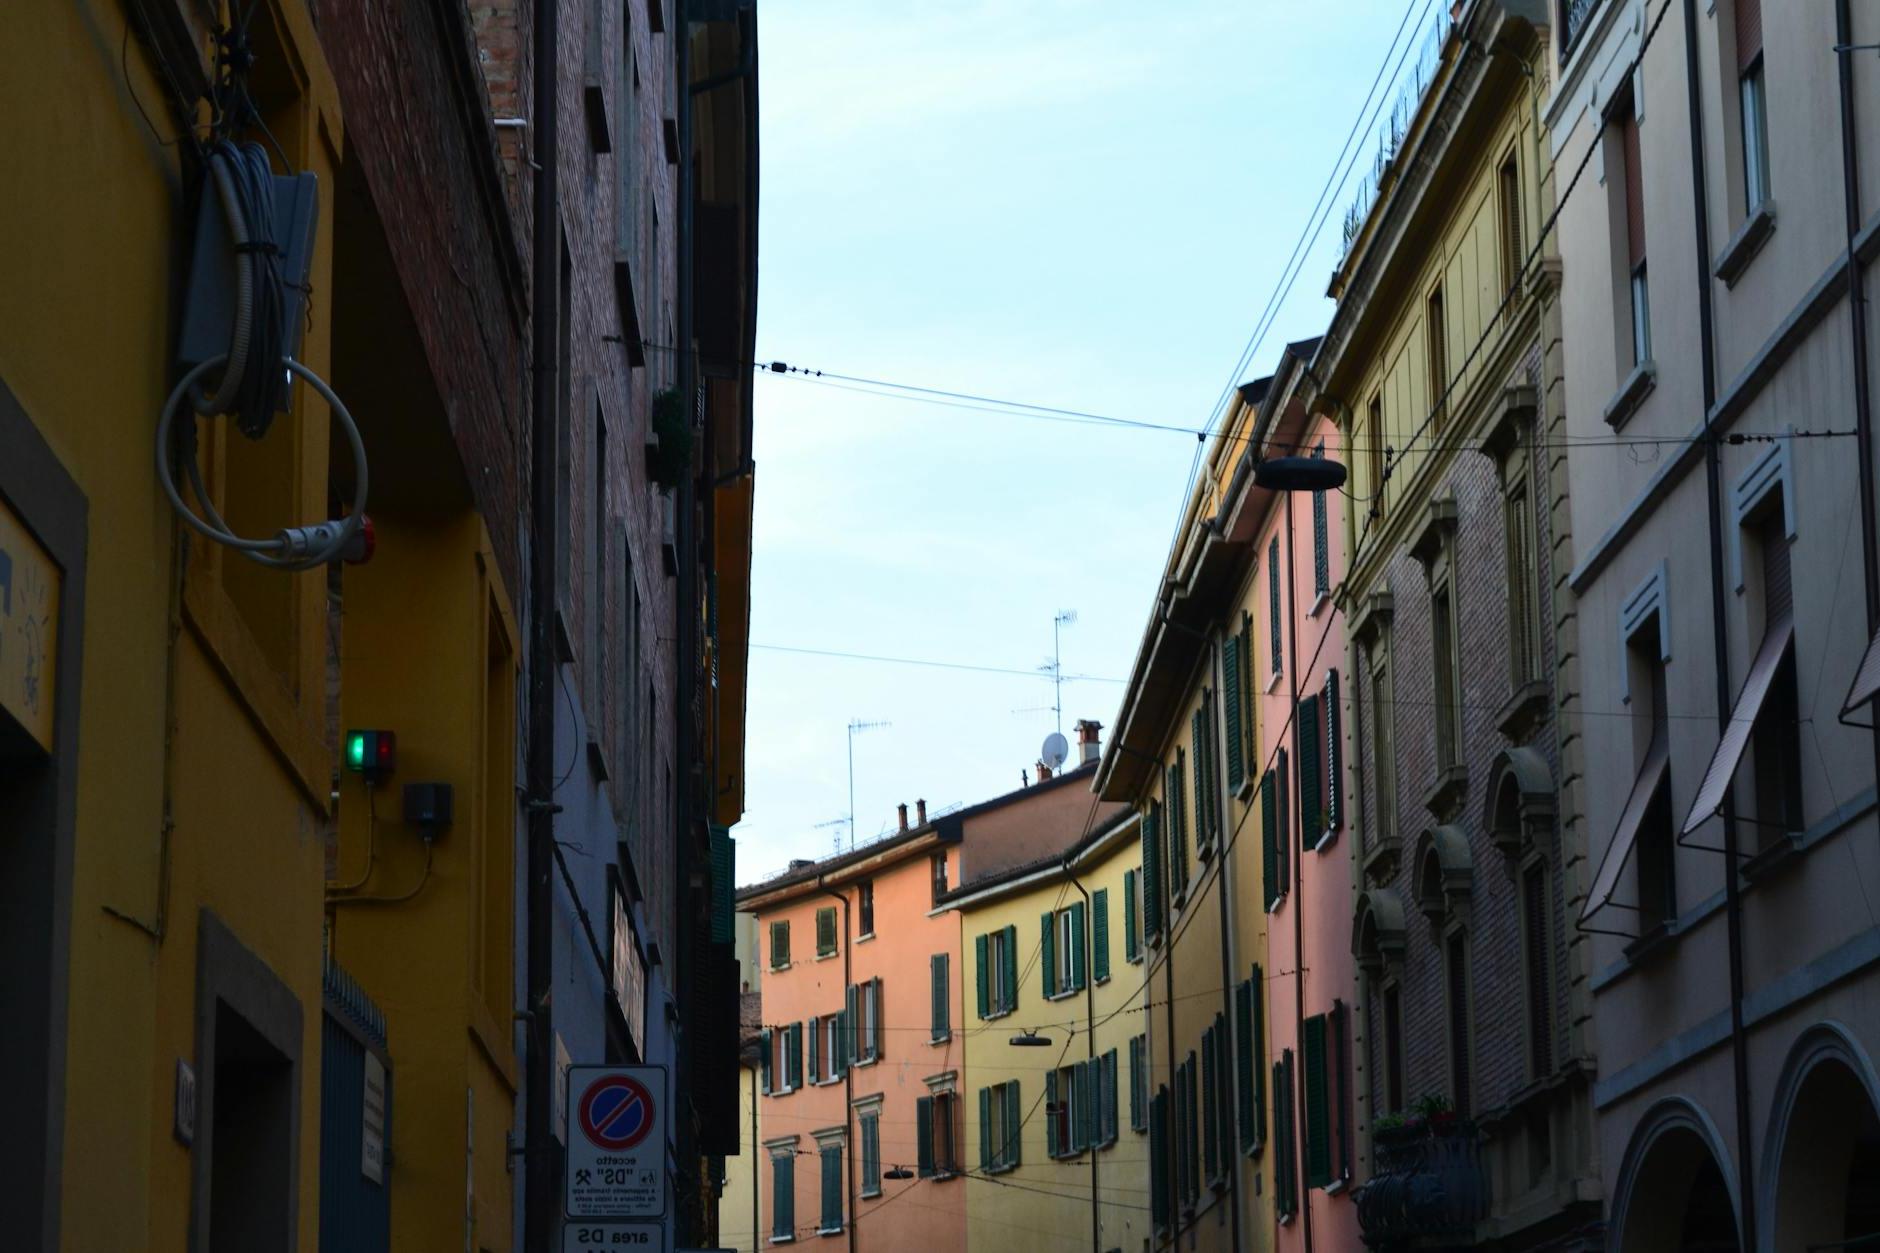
(1065, 955)
(1753, 114)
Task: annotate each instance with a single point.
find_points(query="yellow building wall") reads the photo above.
(86, 330)
(740, 1207)
(1044, 1204)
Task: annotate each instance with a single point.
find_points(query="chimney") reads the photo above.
(1044, 772)
(920, 807)
(903, 808)
(1088, 745)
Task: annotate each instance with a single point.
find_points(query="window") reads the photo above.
(1063, 951)
(830, 1151)
(1632, 192)
(862, 1021)
(1655, 841)
(1753, 103)
(1212, 1163)
(1250, 1034)
(942, 1028)
(1235, 706)
(1075, 1117)
(939, 876)
(830, 1047)
(779, 945)
(866, 895)
(826, 932)
(1187, 1160)
(1274, 833)
(1060, 1104)
(1160, 1180)
(1001, 1122)
(1318, 1107)
(1321, 541)
(1285, 1141)
(1106, 1099)
(936, 1127)
(1536, 960)
(1132, 929)
(1383, 755)
(1175, 810)
(1436, 338)
(1775, 737)
(1456, 977)
(1152, 870)
(1334, 765)
(1311, 772)
(783, 1191)
(871, 1150)
(1139, 1083)
(1339, 1025)
(997, 954)
(1447, 677)
(1524, 628)
(1100, 935)
(1508, 192)
(782, 1058)
(1393, 1049)
(1207, 775)
(1374, 454)
(1272, 600)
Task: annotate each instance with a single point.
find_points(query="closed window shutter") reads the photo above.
(1135, 1083)
(1198, 736)
(1014, 1125)
(1749, 33)
(782, 1197)
(1340, 1027)
(871, 1154)
(1191, 1118)
(763, 1057)
(825, 932)
(980, 973)
(1286, 1200)
(1243, 1062)
(1132, 939)
(831, 1189)
(1321, 545)
(1230, 677)
(1282, 846)
(796, 1054)
(1259, 1053)
(1010, 957)
(1158, 1160)
(815, 1050)
(877, 1010)
(1100, 934)
(1079, 933)
(941, 1028)
(1210, 1131)
(854, 1043)
(1272, 601)
(1151, 872)
(1310, 780)
(1334, 754)
(1223, 1095)
(1318, 1121)
(1051, 1145)
(779, 944)
(1109, 1097)
(1049, 973)
(1174, 784)
(986, 1161)
(1269, 841)
(923, 1135)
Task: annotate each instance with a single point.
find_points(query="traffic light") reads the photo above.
(371, 754)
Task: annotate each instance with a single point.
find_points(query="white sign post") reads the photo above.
(604, 1235)
(616, 1142)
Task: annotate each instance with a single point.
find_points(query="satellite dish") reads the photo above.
(1056, 749)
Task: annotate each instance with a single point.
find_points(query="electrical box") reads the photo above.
(209, 298)
(428, 805)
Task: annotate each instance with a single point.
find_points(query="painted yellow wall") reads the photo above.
(85, 330)
(738, 1227)
(1012, 1210)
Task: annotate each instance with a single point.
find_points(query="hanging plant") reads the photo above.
(670, 459)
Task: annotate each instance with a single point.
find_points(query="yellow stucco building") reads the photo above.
(1049, 948)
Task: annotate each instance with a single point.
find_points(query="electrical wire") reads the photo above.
(430, 849)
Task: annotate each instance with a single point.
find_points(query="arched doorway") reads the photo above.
(1825, 1133)
(1673, 1194)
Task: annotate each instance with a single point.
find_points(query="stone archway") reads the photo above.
(1821, 1169)
(1674, 1193)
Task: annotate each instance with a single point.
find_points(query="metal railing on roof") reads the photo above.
(882, 836)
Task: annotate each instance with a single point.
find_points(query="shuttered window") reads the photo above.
(826, 932)
(1271, 882)
(796, 1054)
(942, 1028)
(1321, 542)
(871, 1153)
(1152, 870)
(1204, 787)
(1132, 932)
(1334, 753)
(1174, 783)
(1138, 1083)
(1508, 188)
(1436, 341)
(1159, 1182)
(1100, 934)
(783, 1196)
(1457, 976)
(1311, 781)
(1056, 1123)
(999, 1127)
(1258, 981)
(1191, 1128)
(1540, 997)
(1634, 186)
(1318, 1107)
(1272, 601)
(1223, 1098)
(982, 974)
(1285, 1148)
(763, 1057)
(1048, 922)
(1282, 845)
(1107, 1108)
(779, 945)
(1210, 1128)
(923, 1137)
(1246, 1075)
(1231, 707)
(1338, 1025)
(1014, 1125)
(831, 1189)
(1008, 970)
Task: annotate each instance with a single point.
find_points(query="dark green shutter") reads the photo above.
(1286, 1195)
(1318, 1121)
(1334, 754)
(832, 1189)
(1192, 1126)
(763, 1057)
(1272, 599)
(941, 997)
(1243, 1062)
(1258, 982)
(1100, 934)
(1079, 934)
(1311, 781)
(724, 872)
(923, 1135)
(1321, 545)
(779, 945)
(796, 1054)
(1151, 872)
(871, 1155)
(1050, 954)
(783, 1196)
(1340, 1064)
(1135, 1083)
(815, 1050)
(1051, 1146)
(1014, 1125)
(980, 974)
(1210, 1132)
(1223, 1095)
(1269, 840)
(1282, 780)
(1198, 738)
(985, 1129)
(1132, 936)
(825, 932)
(1230, 679)
(880, 1007)
(853, 1045)
(1010, 959)
(1158, 1159)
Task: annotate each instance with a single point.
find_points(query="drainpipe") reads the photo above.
(1857, 319)
(848, 1070)
(1090, 1044)
(545, 541)
(1299, 873)
(1720, 635)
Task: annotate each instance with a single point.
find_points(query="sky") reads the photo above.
(1082, 204)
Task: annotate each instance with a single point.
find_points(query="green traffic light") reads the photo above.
(356, 750)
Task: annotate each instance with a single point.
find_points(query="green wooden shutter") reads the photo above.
(779, 945)
(796, 1054)
(1311, 781)
(825, 932)
(980, 974)
(1158, 1159)
(1223, 1095)
(1198, 737)
(1272, 601)
(1014, 1125)
(1051, 1146)
(1282, 845)
(1269, 841)
(1318, 1121)
(1177, 825)
(1210, 1131)
(1010, 957)
(1192, 1126)
(923, 1135)
(1334, 754)
(1230, 679)
(1079, 942)
(941, 1028)
(1050, 954)
(1338, 1089)
(871, 1155)
(1243, 1062)
(763, 1057)
(783, 1196)
(815, 1050)
(1100, 934)
(986, 1161)
(1135, 1083)
(832, 1189)
(1258, 982)
(878, 1011)
(1151, 872)
(1285, 1199)
(1093, 1102)
(1132, 936)
(854, 1046)
(1321, 545)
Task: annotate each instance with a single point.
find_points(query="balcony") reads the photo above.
(1428, 1184)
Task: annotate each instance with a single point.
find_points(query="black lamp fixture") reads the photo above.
(1299, 474)
(899, 1172)
(1029, 1039)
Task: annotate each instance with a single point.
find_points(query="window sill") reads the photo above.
(1099, 982)
(1631, 394)
(1746, 243)
(828, 1231)
(869, 1196)
(999, 1170)
(1205, 852)
(1322, 602)
(827, 957)
(1766, 863)
(1272, 682)
(1248, 789)
(1654, 943)
(862, 1063)
(939, 1040)
(783, 1239)
(1524, 711)
(1335, 1187)
(1326, 841)
(865, 937)
(1445, 796)
(1065, 995)
(777, 970)
(1133, 959)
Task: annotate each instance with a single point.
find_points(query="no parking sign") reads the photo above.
(616, 1142)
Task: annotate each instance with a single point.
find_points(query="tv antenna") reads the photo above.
(856, 727)
(843, 821)
(1064, 618)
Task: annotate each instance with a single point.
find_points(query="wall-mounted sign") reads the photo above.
(616, 1142)
(601, 1236)
(29, 628)
(629, 974)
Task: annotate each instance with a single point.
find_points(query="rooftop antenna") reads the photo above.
(1056, 749)
(1064, 618)
(843, 821)
(856, 725)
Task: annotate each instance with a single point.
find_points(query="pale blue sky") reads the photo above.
(1076, 204)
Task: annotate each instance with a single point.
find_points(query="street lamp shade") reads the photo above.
(1299, 474)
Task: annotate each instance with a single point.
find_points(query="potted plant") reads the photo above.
(1438, 1113)
(1394, 1129)
(669, 458)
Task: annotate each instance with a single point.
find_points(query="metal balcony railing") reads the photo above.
(1428, 1181)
